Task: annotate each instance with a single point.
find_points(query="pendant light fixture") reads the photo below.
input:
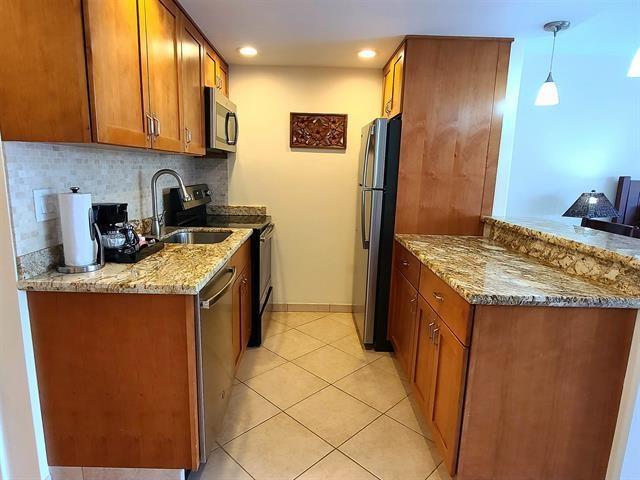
(548, 93)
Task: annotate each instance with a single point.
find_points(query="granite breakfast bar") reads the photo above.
(118, 352)
(501, 339)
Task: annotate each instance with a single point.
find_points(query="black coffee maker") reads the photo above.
(120, 241)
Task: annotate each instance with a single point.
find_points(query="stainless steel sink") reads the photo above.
(197, 237)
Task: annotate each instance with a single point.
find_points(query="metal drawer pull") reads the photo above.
(436, 335)
(405, 263)
(430, 329)
(438, 297)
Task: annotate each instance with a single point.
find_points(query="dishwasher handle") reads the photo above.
(209, 302)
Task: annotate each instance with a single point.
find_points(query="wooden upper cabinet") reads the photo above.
(163, 59)
(43, 81)
(216, 71)
(451, 133)
(192, 46)
(393, 76)
(117, 71)
(223, 78)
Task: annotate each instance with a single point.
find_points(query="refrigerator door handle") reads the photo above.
(363, 220)
(365, 166)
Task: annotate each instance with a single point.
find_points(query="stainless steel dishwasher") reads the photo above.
(214, 356)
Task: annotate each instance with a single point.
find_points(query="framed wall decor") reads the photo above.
(318, 130)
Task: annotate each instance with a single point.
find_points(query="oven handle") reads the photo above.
(268, 233)
(209, 302)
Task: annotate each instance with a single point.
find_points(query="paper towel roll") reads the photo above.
(75, 216)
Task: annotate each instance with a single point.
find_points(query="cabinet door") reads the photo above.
(398, 77)
(163, 54)
(116, 65)
(245, 314)
(387, 91)
(237, 295)
(210, 67)
(402, 320)
(423, 370)
(192, 88)
(447, 393)
(223, 78)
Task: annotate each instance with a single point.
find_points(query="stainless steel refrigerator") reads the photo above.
(376, 202)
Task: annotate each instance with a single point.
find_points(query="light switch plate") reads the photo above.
(45, 203)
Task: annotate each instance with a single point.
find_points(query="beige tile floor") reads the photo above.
(311, 404)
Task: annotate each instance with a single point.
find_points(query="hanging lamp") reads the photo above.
(548, 93)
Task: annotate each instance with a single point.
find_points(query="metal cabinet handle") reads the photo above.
(156, 123)
(430, 329)
(436, 336)
(187, 135)
(438, 296)
(404, 263)
(413, 303)
(150, 125)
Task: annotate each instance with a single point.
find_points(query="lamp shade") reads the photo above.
(592, 205)
(548, 93)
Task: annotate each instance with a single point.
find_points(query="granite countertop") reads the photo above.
(484, 272)
(182, 269)
(603, 245)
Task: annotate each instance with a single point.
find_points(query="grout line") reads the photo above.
(236, 461)
(314, 464)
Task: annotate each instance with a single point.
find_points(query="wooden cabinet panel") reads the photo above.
(117, 385)
(392, 85)
(450, 133)
(451, 307)
(210, 67)
(193, 88)
(117, 71)
(43, 81)
(398, 77)
(407, 263)
(163, 54)
(423, 370)
(543, 392)
(402, 319)
(450, 367)
(241, 288)
(223, 75)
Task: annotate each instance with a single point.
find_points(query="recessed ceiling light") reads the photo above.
(367, 53)
(248, 51)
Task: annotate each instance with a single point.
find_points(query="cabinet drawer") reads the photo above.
(408, 264)
(451, 307)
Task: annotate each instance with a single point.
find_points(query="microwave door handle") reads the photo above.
(365, 163)
(226, 128)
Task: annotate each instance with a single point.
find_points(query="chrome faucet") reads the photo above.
(155, 228)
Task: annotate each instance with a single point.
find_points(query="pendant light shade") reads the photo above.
(548, 93)
(634, 68)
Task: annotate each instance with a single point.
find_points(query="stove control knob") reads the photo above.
(207, 192)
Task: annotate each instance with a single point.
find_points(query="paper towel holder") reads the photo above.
(94, 266)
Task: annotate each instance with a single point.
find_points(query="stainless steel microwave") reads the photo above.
(221, 121)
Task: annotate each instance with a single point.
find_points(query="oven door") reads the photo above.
(222, 121)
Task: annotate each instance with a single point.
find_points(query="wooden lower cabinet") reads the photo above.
(522, 392)
(117, 374)
(403, 319)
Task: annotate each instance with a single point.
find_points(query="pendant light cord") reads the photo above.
(553, 49)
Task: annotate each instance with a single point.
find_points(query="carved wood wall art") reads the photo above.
(318, 130)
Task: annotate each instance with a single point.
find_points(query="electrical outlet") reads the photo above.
(45, 203)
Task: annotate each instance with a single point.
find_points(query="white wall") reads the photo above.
(593, 136)
(22, 454)
(310, 194)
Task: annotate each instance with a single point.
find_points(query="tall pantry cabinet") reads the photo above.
(448, 91)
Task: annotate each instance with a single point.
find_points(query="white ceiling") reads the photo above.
(330, 32)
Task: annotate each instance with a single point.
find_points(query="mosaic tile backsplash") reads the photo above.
(110, 175)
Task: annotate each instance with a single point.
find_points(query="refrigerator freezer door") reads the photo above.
(366, 261)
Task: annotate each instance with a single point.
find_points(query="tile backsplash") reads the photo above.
(110, 175)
